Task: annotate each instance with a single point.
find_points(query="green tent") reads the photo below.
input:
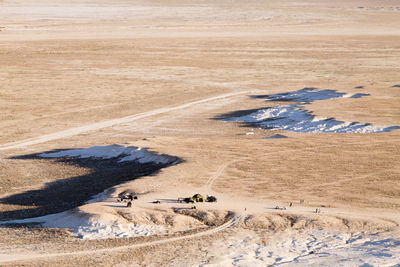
(198, 198)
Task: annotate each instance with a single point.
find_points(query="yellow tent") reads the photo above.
(198, 198)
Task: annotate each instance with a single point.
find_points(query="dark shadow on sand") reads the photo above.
(292, 115)
(237, 113)
(116, 206)
(168, 200)
(69, 193)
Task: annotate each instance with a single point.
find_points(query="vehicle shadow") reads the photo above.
(64, 194)
(168, 200)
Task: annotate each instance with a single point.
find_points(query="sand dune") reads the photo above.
(286, 111)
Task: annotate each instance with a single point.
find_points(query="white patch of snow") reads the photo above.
(348, 95)
(98, 197)
(316, 248)
(87, 226)
(130, 153)
(296, 118)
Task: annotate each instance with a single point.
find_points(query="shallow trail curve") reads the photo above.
(9, 258)
(218, 174)
(109, 123)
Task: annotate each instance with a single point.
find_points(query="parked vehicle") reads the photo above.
(211, 199)
(188, 200)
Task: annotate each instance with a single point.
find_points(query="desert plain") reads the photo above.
(164, 77)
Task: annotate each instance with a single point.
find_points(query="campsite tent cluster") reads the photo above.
(198, 198)
(130, 196)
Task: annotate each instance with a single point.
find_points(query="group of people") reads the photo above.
(129, 198)
(317, 210)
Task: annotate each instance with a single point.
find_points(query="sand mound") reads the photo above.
(209, 218)
(162, 218)
(94, 222)
(97, 225)
(283, 222)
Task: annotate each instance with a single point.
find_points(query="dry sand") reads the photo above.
(156, 74)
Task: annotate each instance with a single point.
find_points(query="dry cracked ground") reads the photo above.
(157, 74)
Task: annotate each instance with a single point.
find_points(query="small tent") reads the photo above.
(198, 198)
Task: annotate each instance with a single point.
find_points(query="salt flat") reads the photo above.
(161, 78)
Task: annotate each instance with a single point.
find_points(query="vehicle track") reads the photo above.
(8, 258)
(109, 123)
(218, 173)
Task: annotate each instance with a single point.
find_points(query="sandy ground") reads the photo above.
(156, 74)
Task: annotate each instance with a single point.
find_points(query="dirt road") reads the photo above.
(109, 123)
(9, 258)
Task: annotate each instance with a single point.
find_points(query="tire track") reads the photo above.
(109, 123)
(8, 258)
(218, 174)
